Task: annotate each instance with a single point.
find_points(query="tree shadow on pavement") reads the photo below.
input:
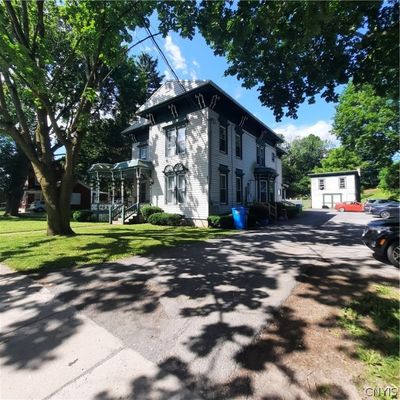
(198, 310)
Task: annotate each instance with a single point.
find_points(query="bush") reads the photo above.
(147, 209)
(259, 211)
(221, 221)
(82, 215)
(289, 210)
(162, 218)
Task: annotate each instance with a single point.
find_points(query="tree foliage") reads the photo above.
(55, 62)
(339, 159)
(389, 179)
(303, 156)
(368, 126)
(293, 50)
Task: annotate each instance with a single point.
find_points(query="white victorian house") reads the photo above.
(197, 152)
(328, 188)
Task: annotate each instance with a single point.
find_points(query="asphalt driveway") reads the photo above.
(191, 310)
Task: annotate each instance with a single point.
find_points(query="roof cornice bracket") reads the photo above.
(214, 100)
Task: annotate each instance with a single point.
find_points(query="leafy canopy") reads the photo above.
(293, 50)
(303, 155)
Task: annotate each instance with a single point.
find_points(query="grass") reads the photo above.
(373, 321)
(376, 193)
(24, 245)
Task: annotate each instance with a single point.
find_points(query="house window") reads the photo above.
(181, 140)
(263, 191)
(238, 145)
(321, 184)
(223, 140)
(239, 189)
(261, 155)
(342, 183)
(181, 188)
(143, 152)
(175, 141)
(170, 189)
(223, 188)
(273, 156)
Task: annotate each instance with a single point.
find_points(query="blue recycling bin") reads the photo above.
(239, 215)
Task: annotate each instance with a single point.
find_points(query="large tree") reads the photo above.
(367, 125)
(340, 159)
(303, 155)
(295, 50)
(55, 59)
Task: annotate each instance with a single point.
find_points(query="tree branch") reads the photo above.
(19, 34)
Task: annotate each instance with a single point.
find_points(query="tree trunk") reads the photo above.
(58, 203)
(16, 183)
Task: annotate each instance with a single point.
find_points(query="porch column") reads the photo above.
(97, 189)
(112, 189)
(122, 189)
(91, 191)
(138, 185)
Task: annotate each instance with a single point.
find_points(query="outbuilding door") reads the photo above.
(330, 199)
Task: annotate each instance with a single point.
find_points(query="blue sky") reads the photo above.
(193, 59)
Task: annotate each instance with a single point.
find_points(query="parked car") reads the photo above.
(382, 236)
(376, 203)
(388, 210)
(353, 206)
(37, 206)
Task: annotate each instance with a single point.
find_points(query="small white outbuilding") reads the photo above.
(328, 188)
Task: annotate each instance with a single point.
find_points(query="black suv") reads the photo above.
(382, 237)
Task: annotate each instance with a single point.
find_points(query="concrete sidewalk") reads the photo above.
(50, 351)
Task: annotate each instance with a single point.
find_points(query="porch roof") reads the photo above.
(105, 168)
(265, 171)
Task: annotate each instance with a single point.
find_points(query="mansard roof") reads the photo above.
(172, 92)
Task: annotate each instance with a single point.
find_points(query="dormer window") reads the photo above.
(143, 152)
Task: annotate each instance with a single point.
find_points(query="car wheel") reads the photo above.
(341, 209)
(393, 254)
(385, 214)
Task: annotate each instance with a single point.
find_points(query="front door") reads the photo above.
(263, 191)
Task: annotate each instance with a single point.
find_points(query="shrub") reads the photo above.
(221, 221)
(82, 215)
(259, 211)
(290, 211)
(147, 209)
(162, 218)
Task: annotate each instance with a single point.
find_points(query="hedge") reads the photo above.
(147, 209)
(259, 211)
(220, 221)
(162, 218)
(82, 215)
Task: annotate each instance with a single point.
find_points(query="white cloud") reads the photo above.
(175, 55)
(196, 64)
(168, 75)
(321, 128)
(238, 93)
(193, 75)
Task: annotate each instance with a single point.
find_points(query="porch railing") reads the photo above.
(114, 212)
(122, 212)
(131, 210)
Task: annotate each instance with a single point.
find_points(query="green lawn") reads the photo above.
(373, 321)
(374, 194)
(24, 245)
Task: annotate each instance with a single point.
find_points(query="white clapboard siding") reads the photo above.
(195, 160)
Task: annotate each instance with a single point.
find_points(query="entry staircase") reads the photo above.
(272, 210)
(121, 214)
